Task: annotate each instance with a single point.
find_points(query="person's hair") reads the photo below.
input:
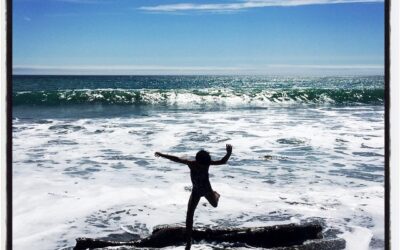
(203, 157)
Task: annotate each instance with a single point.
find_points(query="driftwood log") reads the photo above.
(280, 237)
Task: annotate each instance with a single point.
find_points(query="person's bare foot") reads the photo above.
(217, 195)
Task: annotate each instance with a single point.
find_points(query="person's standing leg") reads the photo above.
(193, 201)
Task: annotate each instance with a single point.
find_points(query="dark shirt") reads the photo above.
(200, 179)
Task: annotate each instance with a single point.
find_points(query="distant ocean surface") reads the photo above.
(304, 148)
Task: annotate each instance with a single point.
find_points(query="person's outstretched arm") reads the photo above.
(172, 158)
(226, 157)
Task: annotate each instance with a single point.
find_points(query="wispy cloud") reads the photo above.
(246, 4)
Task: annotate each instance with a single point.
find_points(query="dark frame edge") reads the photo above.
(9, 184)
(387, 125)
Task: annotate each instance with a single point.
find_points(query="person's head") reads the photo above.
(203, 157)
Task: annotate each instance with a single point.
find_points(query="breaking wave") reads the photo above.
(242, 96)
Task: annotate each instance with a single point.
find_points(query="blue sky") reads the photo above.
(198, 37)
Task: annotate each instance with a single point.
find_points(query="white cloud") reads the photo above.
(246, 4)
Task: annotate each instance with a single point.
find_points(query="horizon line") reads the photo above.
(268, 69)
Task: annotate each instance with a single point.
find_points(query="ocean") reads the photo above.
(304, 149)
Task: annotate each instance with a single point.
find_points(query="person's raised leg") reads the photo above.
(193, 201)
(213, 198)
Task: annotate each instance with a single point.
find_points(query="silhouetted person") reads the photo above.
(201, 183)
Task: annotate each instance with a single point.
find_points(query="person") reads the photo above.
(201, 185)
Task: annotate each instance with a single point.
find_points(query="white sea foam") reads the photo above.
(357, 238)
(95, 177)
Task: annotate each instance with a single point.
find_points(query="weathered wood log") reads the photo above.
(320, 244)
(267, 237)
(272, 236)
(85, 243)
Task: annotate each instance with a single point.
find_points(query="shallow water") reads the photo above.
(92, 172)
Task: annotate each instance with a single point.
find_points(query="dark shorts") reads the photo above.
(211, 196)
(201, 191)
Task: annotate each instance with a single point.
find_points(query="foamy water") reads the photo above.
(95, 177)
